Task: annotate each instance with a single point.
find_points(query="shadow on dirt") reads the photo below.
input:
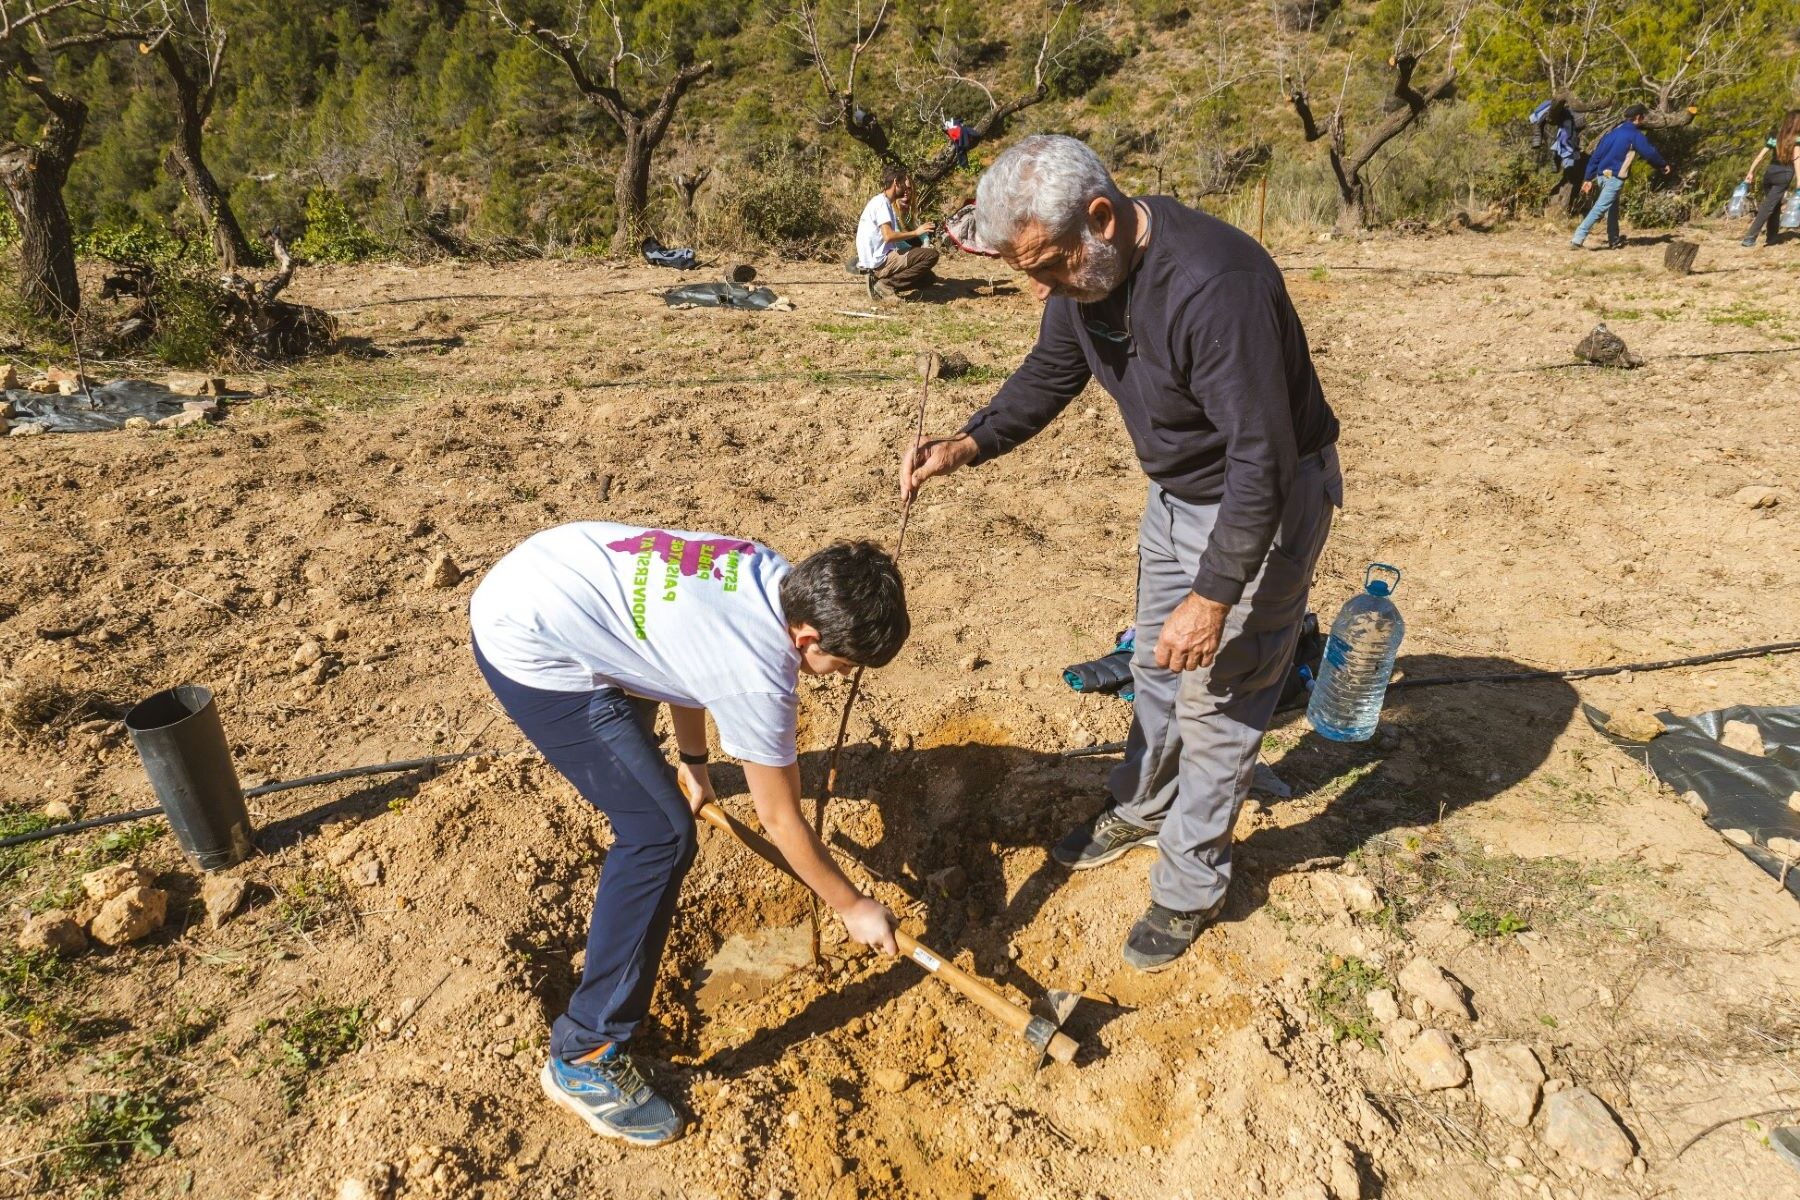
(951, 814)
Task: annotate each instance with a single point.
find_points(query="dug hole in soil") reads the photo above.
(1545, 514)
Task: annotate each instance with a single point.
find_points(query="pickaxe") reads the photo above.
(1044, 1033)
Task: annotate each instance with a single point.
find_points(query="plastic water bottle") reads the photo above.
(1740, 200)
(1359, 658)
(1790, 212)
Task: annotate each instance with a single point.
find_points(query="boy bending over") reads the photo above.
(581, 631)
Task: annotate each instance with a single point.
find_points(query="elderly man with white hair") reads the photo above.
(1186, 322)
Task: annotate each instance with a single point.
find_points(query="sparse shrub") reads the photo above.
(190, 315)
(1078, 68)
(138, 243)
(333, 234)
(778, 198)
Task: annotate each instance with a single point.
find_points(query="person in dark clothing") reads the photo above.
(1776, 180)
(1609, 165)
(1187, 323)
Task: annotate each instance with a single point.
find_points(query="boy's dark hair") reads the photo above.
(851, 592)
(891, 174)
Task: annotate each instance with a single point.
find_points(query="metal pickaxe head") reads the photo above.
(1044, 1031)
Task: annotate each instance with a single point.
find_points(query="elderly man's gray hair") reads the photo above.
(1049, 178)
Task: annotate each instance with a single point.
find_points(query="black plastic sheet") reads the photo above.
(1740, 790)
(720, 295)
(106, 406)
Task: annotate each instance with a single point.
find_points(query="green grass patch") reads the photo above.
(311, 900)
(113, 1128)
(14, 859)
(1748, 315)
(339, 386)
(1338, 999)
(312, 1038)
(319, 1034)
(1498, 895)
(1485, 923)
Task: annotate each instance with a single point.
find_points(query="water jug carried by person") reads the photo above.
(1359, 659)
(1790, 212)
(1739, 205)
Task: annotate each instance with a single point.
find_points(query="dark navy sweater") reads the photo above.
(1215, 383)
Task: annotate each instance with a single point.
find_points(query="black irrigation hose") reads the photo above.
(281, 785)
(1529, 676)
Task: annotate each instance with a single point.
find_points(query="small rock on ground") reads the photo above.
(130, 915)
(1578, 1126)
(443, 572)
(1507, 1080)
(223, 896)
(53, 931)
(1436, 987)
(1743, 737)
(1757, 496)
(107, 882)
(1635, 725)
(890, 1079)
(1382, 1006)
(1435, 1062)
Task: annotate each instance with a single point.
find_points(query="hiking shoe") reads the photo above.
(880, 291)
(869, 284)
(606, 1091)
(1748, 243)
(1163, 935)
(1098, 842)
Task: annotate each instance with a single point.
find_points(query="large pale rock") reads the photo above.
(1636, 725)
(130, 915)
(1434, 1061)
(1743, 737)
(1508, 1080)
(53, 931)
(1437, 988)
(26, 429)
(1382, 1006)
(223, 896)
(1578, 1126)
(107, 882)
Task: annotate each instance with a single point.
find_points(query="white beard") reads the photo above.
(1103, 269)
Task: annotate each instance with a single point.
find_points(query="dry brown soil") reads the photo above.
(1544, 514)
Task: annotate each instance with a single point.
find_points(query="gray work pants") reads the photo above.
(1195, 735)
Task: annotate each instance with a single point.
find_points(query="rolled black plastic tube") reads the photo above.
(284, 785)
(1698, 660)
(1106, 674)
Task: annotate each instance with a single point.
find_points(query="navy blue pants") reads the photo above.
(602, 743)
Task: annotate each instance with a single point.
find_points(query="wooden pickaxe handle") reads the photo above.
(1039, 1032)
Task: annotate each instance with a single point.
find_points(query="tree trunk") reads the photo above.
(184, 162)
(192, 104)
(1353, 207)
(33, 177)
(631, 188)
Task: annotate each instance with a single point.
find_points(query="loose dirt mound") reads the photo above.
(378, 1012)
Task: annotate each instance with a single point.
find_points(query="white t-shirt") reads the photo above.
(871, 247)
(685, 618)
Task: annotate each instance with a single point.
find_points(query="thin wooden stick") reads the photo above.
(929, 365)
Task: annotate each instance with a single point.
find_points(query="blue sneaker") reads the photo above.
(606, 1091)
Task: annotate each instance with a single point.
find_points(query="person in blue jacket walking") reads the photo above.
(1609, 164)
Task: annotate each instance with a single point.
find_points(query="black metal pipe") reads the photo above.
(390, 768)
